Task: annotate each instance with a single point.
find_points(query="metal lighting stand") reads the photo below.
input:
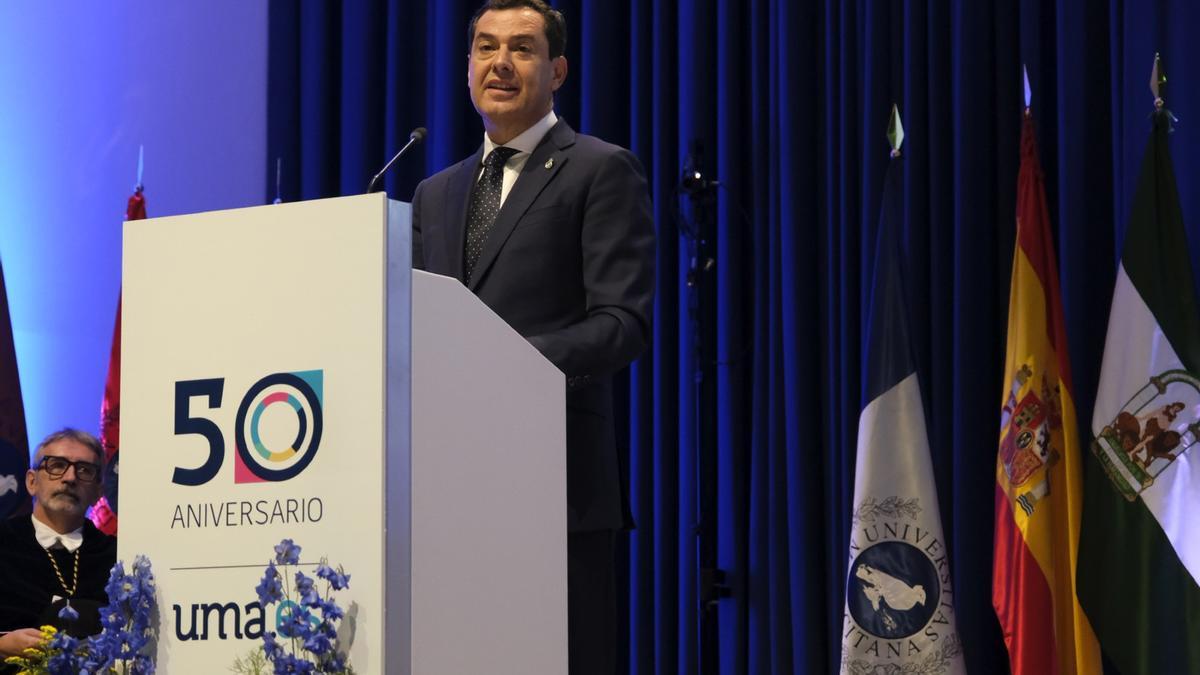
(699, 231)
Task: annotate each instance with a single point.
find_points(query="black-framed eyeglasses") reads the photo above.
(85, 472)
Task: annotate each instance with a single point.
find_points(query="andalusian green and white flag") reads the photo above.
(1139, 546)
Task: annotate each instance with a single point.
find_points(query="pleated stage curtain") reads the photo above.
(787, 104)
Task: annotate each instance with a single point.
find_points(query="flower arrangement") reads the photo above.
(125, 645)
(306, 619)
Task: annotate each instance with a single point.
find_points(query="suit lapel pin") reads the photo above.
(549, 164)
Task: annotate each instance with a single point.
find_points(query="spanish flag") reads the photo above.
(1038, 478)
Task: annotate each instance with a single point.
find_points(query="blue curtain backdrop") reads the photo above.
(789, 101)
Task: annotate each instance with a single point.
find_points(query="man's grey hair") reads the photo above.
(70, 434)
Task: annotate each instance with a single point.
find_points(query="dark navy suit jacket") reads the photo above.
(569, 264)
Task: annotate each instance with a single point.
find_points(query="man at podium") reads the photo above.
(553, 230)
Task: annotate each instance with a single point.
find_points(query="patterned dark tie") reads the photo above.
(485, 204)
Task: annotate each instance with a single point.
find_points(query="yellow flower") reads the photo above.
(32, 660)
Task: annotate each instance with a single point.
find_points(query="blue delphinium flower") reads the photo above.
(126, 628)
(330, 610)
(290, 664)
(269, 590)
(115, 589)
(336, 578)
(271, 647)
(295, 621)
(308, 594)
(307, 619)
(143, 580)
(66, 661)
(95, 658)
(318, 643)
(287, 553)
(112, 618)
(127, 621)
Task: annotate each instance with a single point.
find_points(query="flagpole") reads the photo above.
(898, 589)
(1034, 548)
(104, 514)
(1137, 527)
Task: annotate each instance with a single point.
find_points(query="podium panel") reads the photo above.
(286, 374)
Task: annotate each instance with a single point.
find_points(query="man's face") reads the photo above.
(66, 497)
(510, 72)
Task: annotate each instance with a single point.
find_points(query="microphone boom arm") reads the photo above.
(415, 137)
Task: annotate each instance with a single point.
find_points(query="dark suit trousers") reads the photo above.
(591, 603)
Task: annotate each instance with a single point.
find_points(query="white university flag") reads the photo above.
(899, 604)
(899, 614)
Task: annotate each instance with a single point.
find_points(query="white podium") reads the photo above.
(286, 374)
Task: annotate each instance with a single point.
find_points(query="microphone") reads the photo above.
(415, 137)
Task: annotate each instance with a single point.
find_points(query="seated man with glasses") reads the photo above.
(56, 555)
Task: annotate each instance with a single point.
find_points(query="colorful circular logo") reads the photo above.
(273, 460)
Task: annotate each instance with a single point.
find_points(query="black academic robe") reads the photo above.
(28, 584)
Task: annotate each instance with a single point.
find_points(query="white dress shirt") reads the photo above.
(524, 144)
(47, 538)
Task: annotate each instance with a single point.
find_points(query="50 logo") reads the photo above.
(255, 460)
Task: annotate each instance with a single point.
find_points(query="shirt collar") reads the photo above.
(528, 140)
(47, 537)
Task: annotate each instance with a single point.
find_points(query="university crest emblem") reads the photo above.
(899, 609)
